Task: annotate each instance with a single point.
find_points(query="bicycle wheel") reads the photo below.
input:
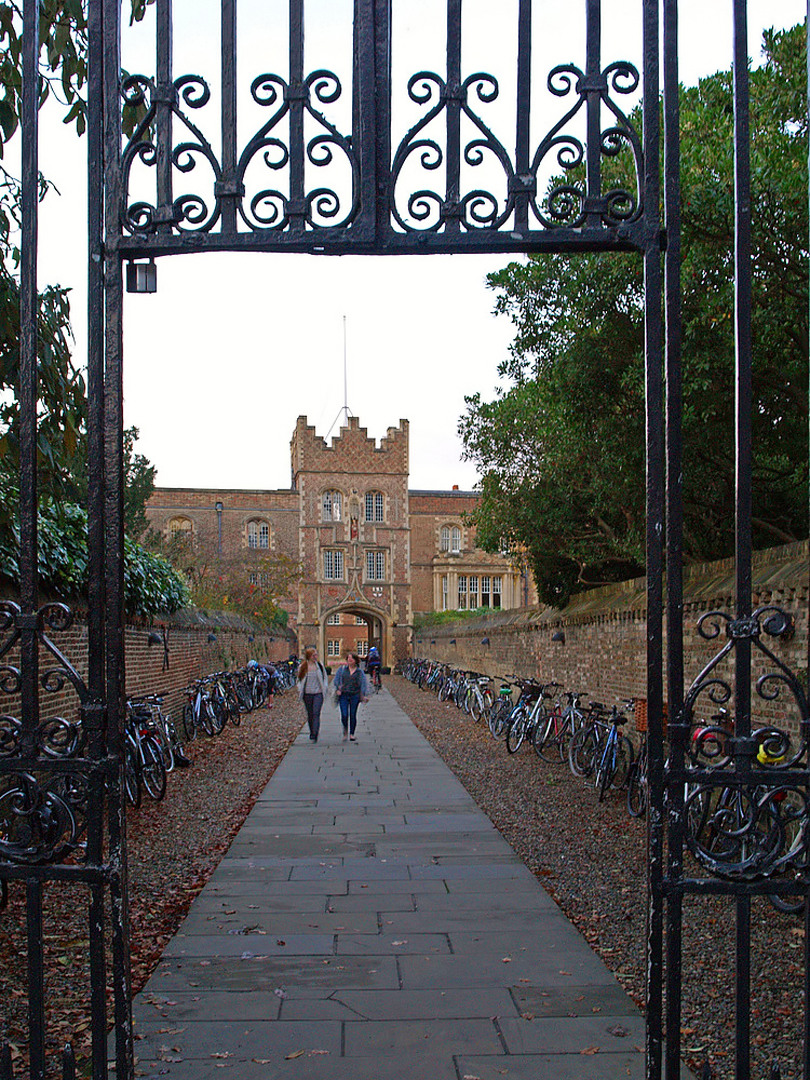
(516, 731)
(189, 727)
(582, 750)
(166, 747)
(625, 756)
(476, 706)
(546, 739)
(132, 775)
(153, 771)
(209, 720)
(605, 770)
(637, 790)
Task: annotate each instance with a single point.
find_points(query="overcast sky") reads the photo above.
(232, 348)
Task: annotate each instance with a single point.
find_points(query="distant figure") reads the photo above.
(373, 665)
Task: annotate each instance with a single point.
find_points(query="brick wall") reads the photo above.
(190, 656)
(604, 652)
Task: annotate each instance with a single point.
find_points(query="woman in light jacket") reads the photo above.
(351, 687)
(312, 686)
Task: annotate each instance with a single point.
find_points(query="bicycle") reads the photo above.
(552, 739)
(616, 757)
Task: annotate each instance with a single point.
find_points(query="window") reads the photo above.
(258, 581)
(333, 565)
(445, 591)
(359, 620)
(333, 619)
(375, 506)
(182, 527)
(333, 647)
(444, 541)
(486, 590)
(496, 591)
(473, 592)
(462, 592)
(330, 506)
(361, 647)
(375, 566)
(258, 534)
(455, 540)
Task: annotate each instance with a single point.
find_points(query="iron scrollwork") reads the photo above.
(42, 812)
(566, 203)
(746, 810)
(188, 212)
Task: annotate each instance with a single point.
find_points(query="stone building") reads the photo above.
(373, 553)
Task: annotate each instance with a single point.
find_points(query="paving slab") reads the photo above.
(369, 922)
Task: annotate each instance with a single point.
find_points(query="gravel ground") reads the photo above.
(174, 846)
(590, 857)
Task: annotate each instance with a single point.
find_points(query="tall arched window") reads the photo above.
(258, 534)
(331, 505)
(455, 540)
(444, 540)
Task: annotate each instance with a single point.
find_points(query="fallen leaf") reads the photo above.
(294, 1054)
(590, 1050)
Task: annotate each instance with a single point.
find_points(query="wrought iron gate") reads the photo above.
(60, 793)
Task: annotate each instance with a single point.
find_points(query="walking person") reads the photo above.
(312, 686)
(351, 687)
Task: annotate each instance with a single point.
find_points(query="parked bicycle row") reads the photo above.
(153, 744)
(727, 824)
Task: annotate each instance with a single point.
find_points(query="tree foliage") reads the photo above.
(561, 448)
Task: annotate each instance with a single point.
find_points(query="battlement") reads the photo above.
(350, 451)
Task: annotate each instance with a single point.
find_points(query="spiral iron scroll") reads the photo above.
(42, 813)
(750, 823)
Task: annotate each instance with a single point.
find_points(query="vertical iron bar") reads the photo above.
(653, 359)
(364, 112)
(524, 91)
(452, 222)
(29, 660)
(593, 64)
(165, 98)
(36, 980)
(743, 381)
(296, 203)
(228, 196)
(674, 537)
(95, 511)
(806, 1004)
(382, 105)
(114, 541)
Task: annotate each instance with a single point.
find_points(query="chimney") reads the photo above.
(455, 487)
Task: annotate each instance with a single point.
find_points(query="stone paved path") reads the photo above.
(370, 923)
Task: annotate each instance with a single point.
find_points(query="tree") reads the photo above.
(561, 448)
(139, 482)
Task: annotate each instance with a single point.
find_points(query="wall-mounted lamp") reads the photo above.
(212, 638)
(219, 508)
(251, 637)
(485, 641)
(433, 641)
(154, 638)
(559, 636)
(452, 641)
(142, 277)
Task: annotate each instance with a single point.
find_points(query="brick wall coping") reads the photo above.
(781, 570)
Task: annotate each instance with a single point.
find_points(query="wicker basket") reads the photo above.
(641, 715)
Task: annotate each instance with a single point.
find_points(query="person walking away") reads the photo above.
(312, 686)
(373, 665)
(351, 687)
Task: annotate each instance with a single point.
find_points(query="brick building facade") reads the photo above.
(372, 552)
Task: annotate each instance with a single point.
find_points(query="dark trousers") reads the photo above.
(313, 703)
(348, 711)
